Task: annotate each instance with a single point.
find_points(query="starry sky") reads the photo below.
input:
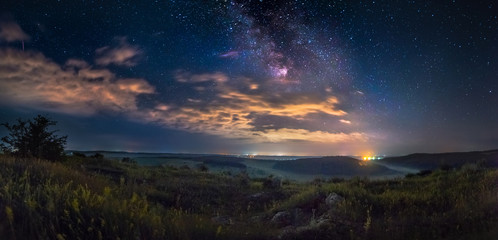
(255, 76)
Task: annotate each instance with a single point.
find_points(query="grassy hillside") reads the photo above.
(90, 198)
(424, 161)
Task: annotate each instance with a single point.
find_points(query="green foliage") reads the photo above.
(438, 205)
(306, 198)
(272, 183)
(32, 138)
(90, 198)
(73, 200)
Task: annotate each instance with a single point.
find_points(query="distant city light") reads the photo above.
(369, 158)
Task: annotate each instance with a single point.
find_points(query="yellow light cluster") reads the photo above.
(370, 158)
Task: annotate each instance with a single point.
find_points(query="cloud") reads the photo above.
(186, 77)
(277, 135)
(122, 55)
(231, 122)
(345, 121)
(30, 79)
(11, 32)
(231, 113)
(230, 108)
(258, 103)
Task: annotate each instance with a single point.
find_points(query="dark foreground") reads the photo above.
(93, 198)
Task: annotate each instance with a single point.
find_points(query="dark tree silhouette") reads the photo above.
(32, 138)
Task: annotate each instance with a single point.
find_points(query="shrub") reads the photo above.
(445, 167)
(272, 183)
(424, 173)
(203, 168)
(32, 138)
(243, 179)
(78, 154)
(97, 156)
(128, 160)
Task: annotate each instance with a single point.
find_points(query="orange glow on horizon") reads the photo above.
(371, 157)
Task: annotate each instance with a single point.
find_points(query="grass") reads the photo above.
(443, 205)
(90, 198)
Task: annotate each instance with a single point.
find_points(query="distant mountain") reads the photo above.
(424, 161)
(334, 166)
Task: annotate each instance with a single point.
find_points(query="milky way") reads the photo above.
(274, 77)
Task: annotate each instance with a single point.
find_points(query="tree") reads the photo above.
(32, 138)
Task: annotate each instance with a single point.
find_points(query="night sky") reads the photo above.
(267, 77)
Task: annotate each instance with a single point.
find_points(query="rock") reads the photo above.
(322, 220)
(282, 219)
(222, 220)
(333, 199)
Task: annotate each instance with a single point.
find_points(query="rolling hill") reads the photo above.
(334, 166)
(427, 161)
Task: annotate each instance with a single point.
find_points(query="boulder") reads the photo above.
(317, 223)
(333, 199)
(282, 219)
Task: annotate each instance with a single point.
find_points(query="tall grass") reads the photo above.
(443, 205)
(44, 200)
(100, 199)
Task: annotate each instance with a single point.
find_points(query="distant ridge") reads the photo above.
(421, 161)
(334, 166)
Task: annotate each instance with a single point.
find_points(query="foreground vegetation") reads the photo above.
(93, 198)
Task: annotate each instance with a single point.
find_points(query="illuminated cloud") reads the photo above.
(231, 113)
(345, 121)
(277, 135)
(122, 55)
(258, 104)
(11, 31)
(76, 63)
(29, 79)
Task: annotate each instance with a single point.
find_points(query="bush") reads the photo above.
(243, 179)
(445, 167)
(272, 183)
(97, 156)
(128, 160)
(424, 173)
(32, 138)
(78, 154)
(203, 168)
